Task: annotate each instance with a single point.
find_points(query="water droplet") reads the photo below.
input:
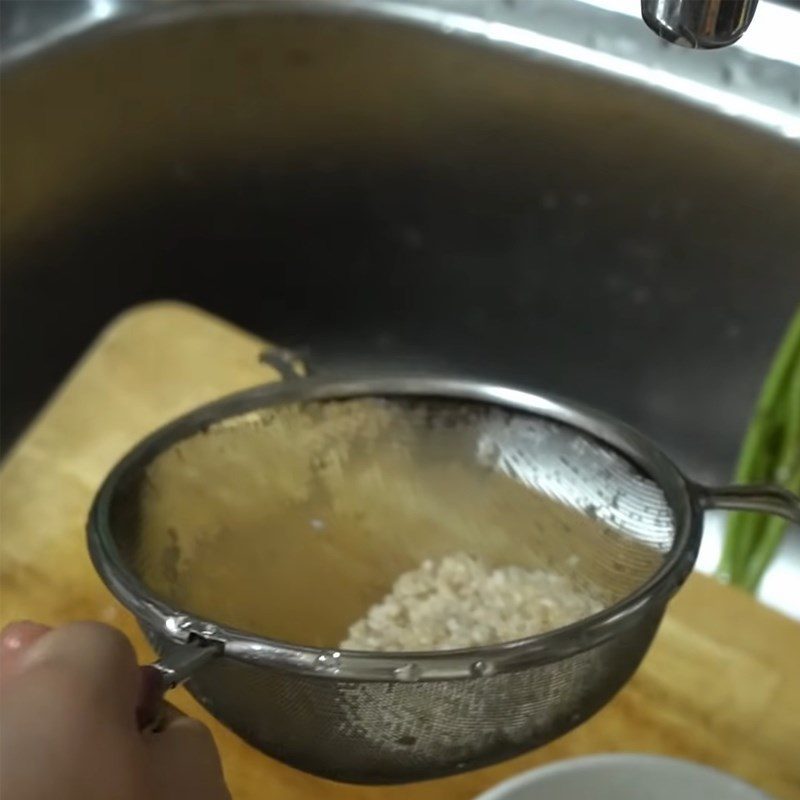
(207, 629)
(549, 201)
(482, 669)
(408, 672)
(732, 331)
(177, 624)
(329, 660)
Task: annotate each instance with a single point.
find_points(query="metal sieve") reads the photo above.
(247, 535)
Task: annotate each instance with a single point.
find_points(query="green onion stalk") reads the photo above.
(770, 454)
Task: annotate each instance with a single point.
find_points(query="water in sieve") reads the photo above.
(292, 522)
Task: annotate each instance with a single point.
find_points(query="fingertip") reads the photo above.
(177, 725)
(187, 754)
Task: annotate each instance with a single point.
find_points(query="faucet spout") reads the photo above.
(700, 24)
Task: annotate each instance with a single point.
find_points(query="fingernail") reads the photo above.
(21, 633)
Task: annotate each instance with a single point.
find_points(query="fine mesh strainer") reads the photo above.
(247, 536)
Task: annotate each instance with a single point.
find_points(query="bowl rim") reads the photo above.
(179, 626)
(500, 791)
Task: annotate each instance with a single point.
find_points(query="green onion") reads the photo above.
(770, 454)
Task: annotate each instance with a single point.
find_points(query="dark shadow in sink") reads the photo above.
(379, 193)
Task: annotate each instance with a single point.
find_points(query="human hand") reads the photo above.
(68, 701)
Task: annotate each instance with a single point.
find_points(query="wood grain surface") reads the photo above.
(721, 684)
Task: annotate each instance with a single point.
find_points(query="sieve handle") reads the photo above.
(768, 499)
(168, 672)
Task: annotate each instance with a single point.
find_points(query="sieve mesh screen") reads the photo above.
(289, 522)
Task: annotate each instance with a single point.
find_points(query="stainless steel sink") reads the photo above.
(538, 192)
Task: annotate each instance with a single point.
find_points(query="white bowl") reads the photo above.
(624, 776)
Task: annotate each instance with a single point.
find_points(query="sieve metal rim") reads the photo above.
(684, 499)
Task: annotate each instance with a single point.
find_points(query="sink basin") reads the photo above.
(542, 196)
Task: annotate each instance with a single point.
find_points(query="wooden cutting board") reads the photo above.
(721, 684)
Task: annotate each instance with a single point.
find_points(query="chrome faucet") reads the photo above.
(702, 24)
